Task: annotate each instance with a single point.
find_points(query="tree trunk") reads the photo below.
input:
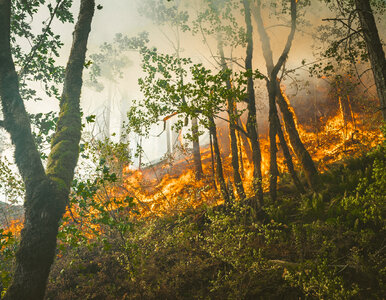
(245, 142)
(251, 120)
(235, 157)
(198, 172)
(241, 156)
(288, 157)
(46, 191)
(296, 143)
(301, 152)
(374, 48)
(219, 170)
(212, 161)
(232, 132)
(196, 151)
(273, 172)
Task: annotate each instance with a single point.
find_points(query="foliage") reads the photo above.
(43, 128)
(8, 245)
(340, 40)
(11, 184)
(39, 62)
(112, 58)
(162, 13)
(204, 96)
(219, 19)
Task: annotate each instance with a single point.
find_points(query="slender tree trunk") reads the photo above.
(212, 161)
(169, 145)
(198, 172)
(251, 120)
(245, 142)
(240, 148)
(374, 48)
(288, 157)
(301, 152)
(288, 117)
(232, 132)
(196, 151)
(272, 141)
(46, 191)
(235, 164)
(219, 170)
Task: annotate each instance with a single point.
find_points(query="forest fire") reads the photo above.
(171, 187)
(200, 149)
(179, 190)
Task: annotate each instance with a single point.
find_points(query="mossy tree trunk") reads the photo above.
(46, 190)
(252, 119)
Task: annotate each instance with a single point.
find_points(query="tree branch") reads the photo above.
(234, 125)
(65, 143)
(40, 41)
(287, 47)
(266, 47)
(16, 119)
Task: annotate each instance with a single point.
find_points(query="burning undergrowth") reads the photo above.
(170, 187)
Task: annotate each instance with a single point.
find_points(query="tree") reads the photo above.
(232, 118)
(353, 38)
(47, 189)
(374, 48)
(176, 17)
(252, 119)
(210, 93)
(276, 95)
(218, 19)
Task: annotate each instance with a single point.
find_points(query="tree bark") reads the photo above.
(232, 132)
(244, 139)
(241, 155)
(273, 172)
(198, 172)
(301, 152)
(219, 170)
(46, 191)
(212, 161)
(374, 48)
(288, 157)
(252, 120)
